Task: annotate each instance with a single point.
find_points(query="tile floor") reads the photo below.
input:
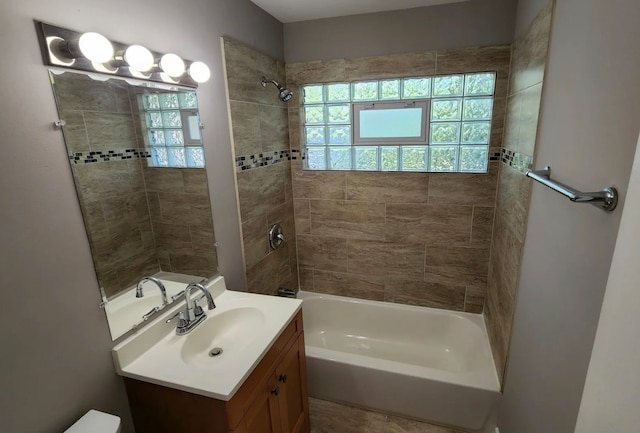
(328, 417)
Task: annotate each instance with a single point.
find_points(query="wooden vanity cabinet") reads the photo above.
(273, 399)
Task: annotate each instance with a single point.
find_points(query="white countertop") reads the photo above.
(244, 325)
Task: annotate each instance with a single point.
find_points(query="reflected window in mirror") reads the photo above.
(172, 129)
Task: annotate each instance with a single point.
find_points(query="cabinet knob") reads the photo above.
(283, 378)
(275, 391)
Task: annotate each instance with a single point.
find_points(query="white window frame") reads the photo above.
(358, 107)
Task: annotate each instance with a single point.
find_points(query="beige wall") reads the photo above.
(589, 127)
(55, 340)
(260, 130)
(469, 23)
(414, 238)
(528, 59)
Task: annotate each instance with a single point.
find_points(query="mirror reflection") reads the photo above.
(137, 158)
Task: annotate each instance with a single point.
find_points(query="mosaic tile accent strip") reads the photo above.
(297, 154)
(495, 156)
(107, 155)
(249, 162)
(516, 160)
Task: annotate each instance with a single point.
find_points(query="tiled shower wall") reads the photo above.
(128, 240)
(260, 131)
(529, 56)
(413, 238)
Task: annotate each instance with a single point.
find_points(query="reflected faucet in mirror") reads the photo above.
(136, 153)
(157, 282)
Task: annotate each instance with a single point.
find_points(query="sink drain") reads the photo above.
(215, 351)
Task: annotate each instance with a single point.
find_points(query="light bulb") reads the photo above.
(138, 58)
(172, 65)
(199, 72)
(95, 47)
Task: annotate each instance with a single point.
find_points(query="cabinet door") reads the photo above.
(292, 380)
(263, 415)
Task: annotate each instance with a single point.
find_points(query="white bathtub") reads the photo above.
(422, 363)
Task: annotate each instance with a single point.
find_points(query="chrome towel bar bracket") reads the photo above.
(606, 199)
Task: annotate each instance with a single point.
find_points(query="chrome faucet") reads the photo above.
(158, 283)
(193, 313)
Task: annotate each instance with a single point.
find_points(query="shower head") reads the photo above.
(285, 94)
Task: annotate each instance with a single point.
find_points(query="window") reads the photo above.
(436, 124)
(172, 129)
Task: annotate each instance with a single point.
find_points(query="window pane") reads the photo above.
(159, 157)
(394, 122)
(477, 109)
(476, 133)
(414, 158)
(193, 128)
(444, 158)
(390, 89)
(366, 91)
(340, 135)
(315, 135)
(338, 92)
(446, 109)
(445, 133)
(195, 157)
(168, 101)
(480, 84)
(156, 138)
(188, 100)
(150, 102)
(312, 94)
(389, 158)
(316, 158)
(339, 113)
(176, 157)
(314, 114)
(340, 158)
(367, 158)
(174, 137)
(449, 85)
(474, 158)
(154, 119)
(171, 119)
(416, 88)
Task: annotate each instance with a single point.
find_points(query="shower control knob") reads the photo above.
(283, 378)
(275, 391)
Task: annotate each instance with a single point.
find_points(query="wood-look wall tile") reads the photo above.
(270, 273)
(529, 115)
(203, 240)
(260, 190)
(497, 338)
(326, 253)
(344, 284)
(191, 264)
(457, 266)
(530, 52)
(81, 92)
(75, 132)
(514, 192)
(512, 122)
(191, 209)
(325, 71)
(450, 297)
(429, 224)
(255, 240)
(474, 299)
(108, 131)
(387, 259)
(464, 189)
(173, 238)
(329, 185)
(131, 208)
(306, 279)
(274, 128)
(388, 187)
(482, 227)
(195, 181)
(302, 209)
(295, 127)
(390, 66)
(163, 179)
(348, 219)
(245, 126)
(498, 122)
(247, 64)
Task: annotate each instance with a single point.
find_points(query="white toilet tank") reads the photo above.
(96, 422)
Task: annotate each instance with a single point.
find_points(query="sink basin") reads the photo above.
(231, 331)
(244, 326)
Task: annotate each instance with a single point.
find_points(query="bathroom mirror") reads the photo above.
(137, 158)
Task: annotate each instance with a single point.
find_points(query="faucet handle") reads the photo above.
(197, 309)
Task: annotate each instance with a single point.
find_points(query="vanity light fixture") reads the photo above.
(199, 72)
(136, 57)
(92, 52)
(172, 65)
